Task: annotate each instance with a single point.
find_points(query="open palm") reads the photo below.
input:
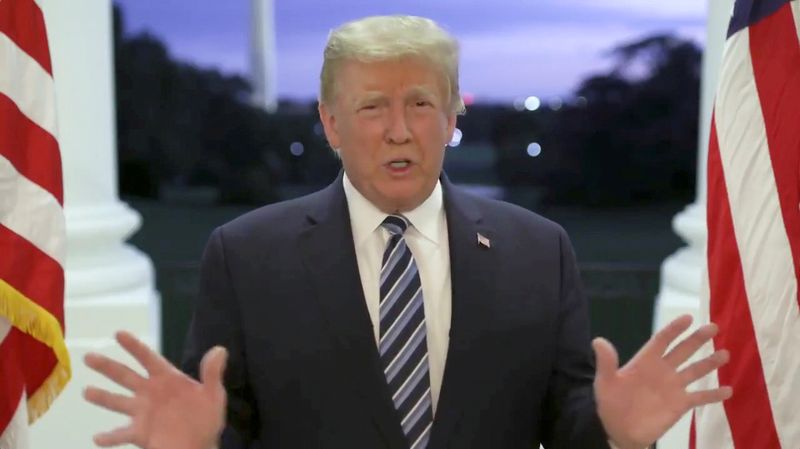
(168, 409)
(639, 402)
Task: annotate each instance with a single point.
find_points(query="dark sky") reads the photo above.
(510, 48)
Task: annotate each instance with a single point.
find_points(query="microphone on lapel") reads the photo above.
(484, 241)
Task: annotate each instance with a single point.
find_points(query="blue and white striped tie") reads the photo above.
(403, 343)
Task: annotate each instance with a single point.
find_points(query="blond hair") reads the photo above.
(382, 38)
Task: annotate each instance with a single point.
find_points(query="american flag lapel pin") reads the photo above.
(484, 241)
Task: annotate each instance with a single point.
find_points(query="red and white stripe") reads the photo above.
(34, 364)
(754, 238)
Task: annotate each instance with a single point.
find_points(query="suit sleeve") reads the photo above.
(217, 321)
(571, 419)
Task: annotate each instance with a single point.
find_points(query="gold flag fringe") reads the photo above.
(36, 321)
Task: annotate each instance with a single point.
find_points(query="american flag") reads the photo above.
(754, 232)
(34, 364)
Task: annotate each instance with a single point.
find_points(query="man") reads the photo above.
(394, 310)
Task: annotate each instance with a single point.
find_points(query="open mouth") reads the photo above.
(400, 163)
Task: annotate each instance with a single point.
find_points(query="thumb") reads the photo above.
(607, 358)
(212, 367)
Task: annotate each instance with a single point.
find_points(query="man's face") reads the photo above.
(390, 121)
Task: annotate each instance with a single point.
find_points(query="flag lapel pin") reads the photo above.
(484, 241)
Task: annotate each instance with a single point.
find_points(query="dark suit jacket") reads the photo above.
(280, 289)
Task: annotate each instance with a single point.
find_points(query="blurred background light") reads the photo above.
(534, 149)
(297, 149)
(456, 140)
(532, 103)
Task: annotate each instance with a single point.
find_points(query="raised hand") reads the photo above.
(168, 409)
(639, 402)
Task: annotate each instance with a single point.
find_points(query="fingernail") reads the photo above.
(223, 351)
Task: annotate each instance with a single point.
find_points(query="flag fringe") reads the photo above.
(43, 398)
(34, 320)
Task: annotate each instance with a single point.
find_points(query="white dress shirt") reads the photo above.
(427, 240)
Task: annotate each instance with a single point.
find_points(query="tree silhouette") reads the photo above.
(628, 136)
(182, 125)
(642, 124)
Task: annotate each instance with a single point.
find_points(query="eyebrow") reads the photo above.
(421, 90)
(371, 96)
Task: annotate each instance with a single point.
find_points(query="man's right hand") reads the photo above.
(168, 409)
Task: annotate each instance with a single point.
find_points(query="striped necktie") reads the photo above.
(403, 344)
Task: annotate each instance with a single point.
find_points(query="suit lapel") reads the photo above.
(472, 265)
(329, 255)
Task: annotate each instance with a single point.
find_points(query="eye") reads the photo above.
(422, 103)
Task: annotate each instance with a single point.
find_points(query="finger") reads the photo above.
(212, 368)
(111, 401)
(607, 358)
(699, 369)
(688, 346)
(663, 338)
(114, 370)
(704, 397)
(152, 361)
(116, 437)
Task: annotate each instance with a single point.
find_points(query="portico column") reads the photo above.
(109, 284)
(262, 55)
(682, 272)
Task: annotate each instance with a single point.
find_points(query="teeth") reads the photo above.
(399, 164)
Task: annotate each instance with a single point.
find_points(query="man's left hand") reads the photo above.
(639, 402)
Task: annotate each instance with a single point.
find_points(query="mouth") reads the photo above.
(399, 167)
(399, 163)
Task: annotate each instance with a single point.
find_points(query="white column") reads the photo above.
(682, 272)
(263, 78)
(109, 283)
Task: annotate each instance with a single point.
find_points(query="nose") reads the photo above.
(397, 131)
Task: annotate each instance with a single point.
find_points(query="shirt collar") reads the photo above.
(427, 218)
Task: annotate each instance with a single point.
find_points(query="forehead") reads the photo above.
(404, 75)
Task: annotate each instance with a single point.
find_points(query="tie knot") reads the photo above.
(395, 224)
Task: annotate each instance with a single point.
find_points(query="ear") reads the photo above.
(328, 119)
(451, 126)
